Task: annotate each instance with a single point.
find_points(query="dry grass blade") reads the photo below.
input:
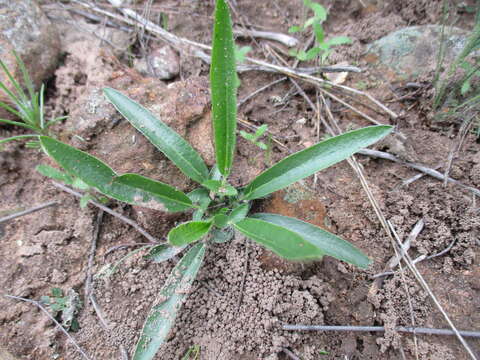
(462, 133)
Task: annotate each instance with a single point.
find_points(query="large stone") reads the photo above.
(411, 52)
(25, 29)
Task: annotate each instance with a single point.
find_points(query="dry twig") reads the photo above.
(406, 329)
(91, 257)
(290, 354)
(110, 211)
(419, 167)
(59, 326)
(28, 211)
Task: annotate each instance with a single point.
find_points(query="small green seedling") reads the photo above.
(193, 353)
(473, 72)
(65, 306)
(241, 53)
(218, 209)
(253, 138)
(322, 48)
(28, 106)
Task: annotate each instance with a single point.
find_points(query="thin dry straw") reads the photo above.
(126, 220)
(28, 211)
(406, 329)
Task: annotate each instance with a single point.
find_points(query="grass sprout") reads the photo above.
(27, 105)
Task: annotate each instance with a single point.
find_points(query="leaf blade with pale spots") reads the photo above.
(100, 176)
(315, 158)
(180, 152)
(223, 80)
(162, 316)
(172, 198)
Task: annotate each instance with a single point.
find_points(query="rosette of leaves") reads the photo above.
(218, 208)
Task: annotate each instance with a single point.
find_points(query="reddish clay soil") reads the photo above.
(244, 294)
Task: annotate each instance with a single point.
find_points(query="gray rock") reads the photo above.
(413, 51)
(162, 63)
(25, 29)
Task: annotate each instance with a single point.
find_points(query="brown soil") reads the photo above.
(50, 248)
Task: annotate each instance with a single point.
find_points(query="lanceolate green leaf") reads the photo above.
(278, 239)
(164, 252)
(223, 80)
(307, 162)
(325, 241)
(162, 315)
(188, 232)
(238, 213)
(172, 198)
(163, 137)
(98, 175)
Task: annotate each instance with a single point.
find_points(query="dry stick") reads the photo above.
(408, 260)
(462, 133)
(278, 37)
(419, 167)
(110, 211)
(41, 307)
(354, 109)
(395, 260)
(290, 354)
(299, 71)
(415, 178)
(28, 211)
(124, 246)
(443, 252)
(99, 312)
(178, 41)
(359, 172)
(406, 329)
(263, 88)
(91, 257)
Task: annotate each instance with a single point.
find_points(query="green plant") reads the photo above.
(452, 87)
(219, 209)
(28, 105)
(65, 306)
(253, 138)
(193, 353)
(322, 48)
